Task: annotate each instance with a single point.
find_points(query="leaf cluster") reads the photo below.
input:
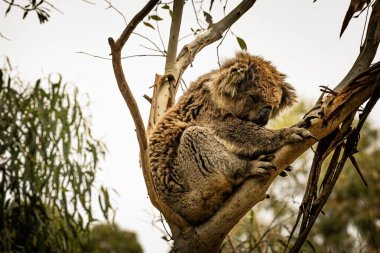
(41, 8)
(48, 162)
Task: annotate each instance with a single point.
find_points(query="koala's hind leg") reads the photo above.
(207, 157)
(209, 172)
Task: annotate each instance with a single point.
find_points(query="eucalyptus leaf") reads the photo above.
(242, 43)
(155, 17)
(149, 25)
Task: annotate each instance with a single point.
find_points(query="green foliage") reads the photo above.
(41, 8)
(350, 220)
(48, 161)
(242, 44)
(106, 238)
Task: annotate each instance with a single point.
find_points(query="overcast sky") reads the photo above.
(300, 37)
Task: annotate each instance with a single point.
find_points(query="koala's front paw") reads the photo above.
(263, 166)
(297, 134)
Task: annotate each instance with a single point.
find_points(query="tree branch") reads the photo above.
(188, 52)
(163, 88)
(116, 48)
(367, 50)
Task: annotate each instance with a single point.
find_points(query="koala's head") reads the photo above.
(250, 88)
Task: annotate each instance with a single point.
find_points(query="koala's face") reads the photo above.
(251, 89)
(254, 104)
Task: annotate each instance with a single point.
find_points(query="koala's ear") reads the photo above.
(235, 79)
(288, 97)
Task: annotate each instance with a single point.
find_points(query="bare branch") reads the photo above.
(170, 67)
(150, 41)
(188, 53)
(124, 57)
(88, 2)
(93, 55)
(170, 64)
(4, 37)
(116, 48)
(111, 6)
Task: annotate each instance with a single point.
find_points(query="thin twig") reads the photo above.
(196, 15)
(111, 6)
(217, 47)
(159, 33)
(123, 57)
(92, 55)
(150, 41)
(88, 2)
(4, 37)
(116, 47)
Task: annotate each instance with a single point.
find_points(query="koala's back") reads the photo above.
(165, 139)
(183, 166)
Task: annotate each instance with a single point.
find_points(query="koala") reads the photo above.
(214, 137)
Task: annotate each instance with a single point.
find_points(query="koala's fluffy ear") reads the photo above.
(288, 97)
(233, 79)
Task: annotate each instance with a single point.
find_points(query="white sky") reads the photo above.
(300, 37)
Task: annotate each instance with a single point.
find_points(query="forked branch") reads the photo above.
(116, 48)
(186, 56)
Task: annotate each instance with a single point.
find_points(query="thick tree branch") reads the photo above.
(116, 48)
(164, 86)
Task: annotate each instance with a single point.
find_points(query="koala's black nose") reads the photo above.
(264, 115)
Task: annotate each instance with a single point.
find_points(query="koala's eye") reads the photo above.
(254, 99)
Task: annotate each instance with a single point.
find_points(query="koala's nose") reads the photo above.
(264, 115)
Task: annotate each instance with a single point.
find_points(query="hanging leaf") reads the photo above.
(355, 6)
(25, 14)
(155, 17)
(242, 43)
(208, 18)
(149, 25)
(211, 4)
(165, 7)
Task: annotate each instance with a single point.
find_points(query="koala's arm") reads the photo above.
(248, 139)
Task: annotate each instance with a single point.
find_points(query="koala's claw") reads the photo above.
(266, 166)
(299, 134)
(283, 174)
(266, 158)
(306, 122)
(296, 138)
(289, 168)
(262, 168)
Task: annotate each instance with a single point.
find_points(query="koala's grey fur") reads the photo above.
(214, 138)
